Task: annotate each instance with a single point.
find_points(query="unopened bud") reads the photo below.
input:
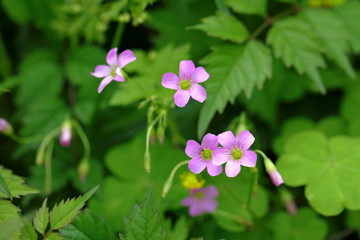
(5, 127)
(160, 134)
(83, 170)
(288, 201)
(65, 137)
(273, 172)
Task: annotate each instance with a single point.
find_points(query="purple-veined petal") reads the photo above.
(126, 57)
(119, 78)
(213, 170)
(187, 201)
(248, 159)
(196, 210)
(197, 165)
(220, 156)
(211, 191)
(210, 205)
(170, 80)
(232, 168)
(111, 58)
(181, 98)
(101, 71)
(210, 141)
(199, 75)
(244, 140)
(227, 139)
(193, 149)
(104, 83)
(186, 69)
(198, 93)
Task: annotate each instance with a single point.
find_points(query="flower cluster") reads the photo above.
(234, 151)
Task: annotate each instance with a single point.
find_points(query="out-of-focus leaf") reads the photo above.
(233, 69)
(18, 10)
(304, 225)
(224, 26)
(353, 219)
(86, 226)
(54, 236)
(296, 44)
(248, 7)
(10, 222)
(179, 231)
(313, 160)
(28, 232)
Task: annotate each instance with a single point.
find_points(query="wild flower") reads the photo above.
(187, 84)
(5, 127)
(201, 200)
(65, 136)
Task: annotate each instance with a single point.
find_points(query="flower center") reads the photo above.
(113, 71)
(199, 195)
(236, 154)
(206, 154)
(185, 84)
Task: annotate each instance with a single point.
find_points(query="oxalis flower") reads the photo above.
(187, 84)
(201, 200)
(65, 137)
(235, 152)
(203, 155)
(113, 70)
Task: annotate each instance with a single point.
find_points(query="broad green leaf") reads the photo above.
(334, 36)
(348, 12)
(296, 44)
(4, 187)
(145, 222)
(8, 212)
(28, 232)
(224, 26)
(41, 219)
(87, 226)
(18, 10)
(248, 7)
(10, 222)
(304, 225)
(54, 236)
(313, 160)
(232, 69)
(63, 213)
(15, 184)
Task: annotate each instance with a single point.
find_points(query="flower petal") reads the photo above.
(244, 140)
(248, 159)
(111, 58)
(276, 178)
(170, 80)
(199, 75)
(227, 139)
(213, 170)
(232, 168)
(210, 205)
(211, 191)
(196, 210)
(187, 201)
(104, 83)
(210, 141)
(197, 165)
(181, 98)
(119, 78)
(101, 71)
(198, 93)
(186, 69)
(220, 156)
(193, 149)
(126, 57)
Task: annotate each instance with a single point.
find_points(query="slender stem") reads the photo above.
(26, 140)
(83, 138)
(341, 235)
(48, 168)
(147, 158)
(253, 186)
(118, 34)
(137, 84)
(170, 179)
(232, 217)
(41, 150)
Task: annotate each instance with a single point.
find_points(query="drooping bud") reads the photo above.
(160, 133)
(83, 169)
(65, 137)
(5, 127)
(288, 201)
(273, 172)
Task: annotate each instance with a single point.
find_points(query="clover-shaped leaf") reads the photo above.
(328, 167)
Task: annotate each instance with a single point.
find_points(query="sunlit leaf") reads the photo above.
(248, 7)
(41, 219)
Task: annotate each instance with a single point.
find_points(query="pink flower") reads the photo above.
(203, 155)
(113, 71)
(65, 137)
(201, 200)
(235, 152)
(4, 125)
(275, 176)
(187, 84)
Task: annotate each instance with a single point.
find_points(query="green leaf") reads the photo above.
(4, 187)
(144, 223)
(87, 226)
(313, 160)
(353, 220)
(296, 44)
(304, 225)
(28, 232)
(62, 214)
(233, 69)
(18, 10)
(8, 212)
(15, 184)
(54, 236)
(180, 230)
(334, 36)
(41, 219)
(10, 222)
(224, 26)
(248, 7)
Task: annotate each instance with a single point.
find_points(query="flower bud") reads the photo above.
(5, 127)
(273, 172)
(160, 134)
(288, 201)
(65, 137)
(83, 170)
